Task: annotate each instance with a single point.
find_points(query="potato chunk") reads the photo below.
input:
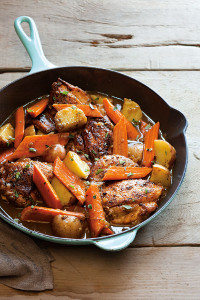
(77, 165)
(70, 118)
(30, 130)
(7, 135)
(66, 198)
(165, 153)
(131, 110)
(135, 152)
(160, 175)
(68, 227)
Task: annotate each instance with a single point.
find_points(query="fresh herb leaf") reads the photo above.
(91, 106)
(94, 196)
(32, 150)
(29, 110)
(153, 162)
(106, 135)
(71, 136)
(135, 122)
(27, 166)
(87, 182)
(8, 144)
(121, 162)
(146, 191)
(99, 171)
(79, 151)
(90, 206)
(127, 206)
(71, 159)
(64, 92)
(147, 127)
(47, 146)
(16, 194)
(17, 175)
(130, 174)
(71, 186)
(11, 139)
(74, 107)
(96, 159)
(87, 170)
(54, 98)
(115, 108)
(165, 152)
(94, 152)
(149, 149)
(32, 206)
(96, 99)
(86, 155)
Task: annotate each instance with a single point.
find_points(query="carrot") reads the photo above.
(143, 127)
(35, 145)
(120, 173)
(89, 110)
(70, 180)
(38, 108)
(148, 154)
(6, 155)
(45, 214)
(19, 126)
(45, 188)
(97, 219)
(120, 143)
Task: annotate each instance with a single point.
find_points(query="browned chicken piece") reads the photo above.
(105, 162)
(64, 92)
(16, 180)
(130, 201)
(45, 123)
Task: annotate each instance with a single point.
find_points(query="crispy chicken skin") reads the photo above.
(16, 180)
(45, 123)
(130, 201)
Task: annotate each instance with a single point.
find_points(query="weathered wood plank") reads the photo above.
(136, 35)
(143, 273)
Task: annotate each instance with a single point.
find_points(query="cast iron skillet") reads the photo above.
(38, 83)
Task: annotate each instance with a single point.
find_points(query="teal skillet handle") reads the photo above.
(32, 44)
(117, 243)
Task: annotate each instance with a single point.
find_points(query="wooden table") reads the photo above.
(156, 42)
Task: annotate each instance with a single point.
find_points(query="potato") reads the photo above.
(70, 118)
(68, 227)
(66, 198)
(135, 152)
(52, 152)
(77, 165)
(30, 130)
(165, 153)
(131, 110)
(7, 135)
(161, 175)
(97, 99)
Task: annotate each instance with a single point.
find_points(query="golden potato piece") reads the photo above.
(30, 130)
(165, 153)
(77, 165)
(131, 110)
(135, 152)
(70, 118)
(7, 135)
(66, 198)
(160, 175)
(68, 227)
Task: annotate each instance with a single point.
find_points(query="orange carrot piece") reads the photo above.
(35, 145)
(45, 188)
(97, 219)
(6, 155)
(45, 214)
(120, 173)
(38, 108)
(89, 110)
(148, 154)
(143, 128)
(70, 180)
(116, 115)
(120, 142)
(19, 126)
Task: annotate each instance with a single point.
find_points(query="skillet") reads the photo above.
(38, 82)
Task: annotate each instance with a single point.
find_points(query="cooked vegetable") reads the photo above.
(65, 196)
(144, 127)
(89, 110)
(69, 118)
(38, 108)
(150, 137)
(131, 110)
(165, 153)
(45, 214)
(6, 154)
(120, 173)
(19, 126)
(97, 99)
(53, 151)
(45, 188)
(33, 146)
(68, 227)
(115, 115)
(120, 142)
(97, 219)
(70, 180)
(6, 135)
(160, 175)
(135, 152)
(29, 131)
(75, 164)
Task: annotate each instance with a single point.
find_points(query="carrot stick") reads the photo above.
(97, 219)
(120, 143)
(89, 110)
(120, 173)
(38, 108)
(45, 214)
(19, 126)
(6, 155)
(70, 180)
(35, 145)
(143, 128)
(148, 154)
(115, 115)
(45, 188)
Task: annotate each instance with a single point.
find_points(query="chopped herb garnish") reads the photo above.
(86, 155)
(71, 136)
(130, 174)
(79, 151)
(146, 191)
(74, 107)
(94, 196)
(96, 159)
(16, 220)
(32, 150)
(27, 166)
(121, 162)
(32, 206)
(153, 162)
(47, 146)
(106, 135)
(16, 194)
(91, 106)
(11, 139)
(115, 108)
(127, 206)
(137, 137)
(94, 152)
(165, 152)
(147, 127)
(17, 175)
(54, 98)
(99, 171)
(96, 99)
(64, 92)
(90, 206)
(29, 110)
(8, 144)
(71, 159)
(71, 186)
(149, 149)
(87, 170)
(135, 122)
(87, 182)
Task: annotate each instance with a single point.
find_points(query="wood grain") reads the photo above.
(137, 35)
